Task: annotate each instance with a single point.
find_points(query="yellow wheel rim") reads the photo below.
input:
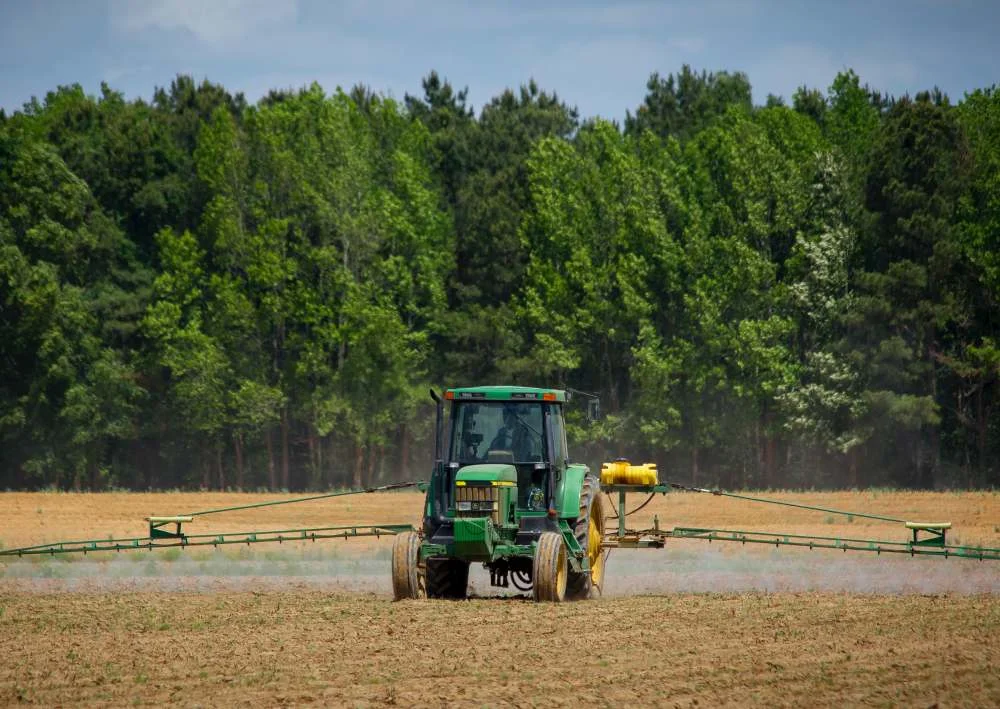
(595, 539)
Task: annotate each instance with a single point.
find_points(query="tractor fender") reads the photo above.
(568, 491)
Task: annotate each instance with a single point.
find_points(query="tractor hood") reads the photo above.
(487, 473)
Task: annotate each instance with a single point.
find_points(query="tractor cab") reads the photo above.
(527, 434)
(504, 456)
(496, 427)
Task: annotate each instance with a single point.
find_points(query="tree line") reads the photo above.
(200, 292)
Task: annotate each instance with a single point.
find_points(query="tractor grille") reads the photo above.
(477, 501)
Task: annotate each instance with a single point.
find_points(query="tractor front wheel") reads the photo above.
(447, 578)
(407, 580)
(549, 569)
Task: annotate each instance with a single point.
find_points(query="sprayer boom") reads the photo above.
(162, 535)
(926, 538)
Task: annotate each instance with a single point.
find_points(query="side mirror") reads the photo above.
(593, 410)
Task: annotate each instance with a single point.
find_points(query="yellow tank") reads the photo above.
(621, 472)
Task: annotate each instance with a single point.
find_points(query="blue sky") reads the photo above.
(596, 55)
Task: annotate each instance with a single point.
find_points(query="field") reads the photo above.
(692, 625)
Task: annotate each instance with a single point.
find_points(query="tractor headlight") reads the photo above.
(464, 506)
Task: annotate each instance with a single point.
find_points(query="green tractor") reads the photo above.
(504, 493)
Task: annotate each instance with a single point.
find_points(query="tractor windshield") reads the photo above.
(497, 431)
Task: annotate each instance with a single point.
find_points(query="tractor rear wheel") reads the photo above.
(549, 569)
(447, 578)
(407, 581)
(589, 532)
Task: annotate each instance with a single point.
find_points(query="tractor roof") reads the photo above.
(505, 393)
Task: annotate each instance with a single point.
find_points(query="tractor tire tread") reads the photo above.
(549, 555)
(578, 585)
(405, 566)
(447, 578)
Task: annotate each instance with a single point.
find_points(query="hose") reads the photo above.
(614, 514)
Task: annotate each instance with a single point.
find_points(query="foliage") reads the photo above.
(195, 291)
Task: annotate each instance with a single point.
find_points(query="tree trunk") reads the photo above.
(934, 457)
(272, 478)
(404, 453)
(152, 454)
(934, 464)
(981, 429)
(206, 472)
(331, 455)
(238, 445)
(610, 378)
(694, 466)
(359, 460)
(319, 464)
(374, 454)
(770, 453)
(284, 448)
(95, 477)
(313, 465)
(757, 459)
(219, 467)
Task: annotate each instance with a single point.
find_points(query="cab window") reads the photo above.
(508, 430)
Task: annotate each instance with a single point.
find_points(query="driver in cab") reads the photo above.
(514, 436)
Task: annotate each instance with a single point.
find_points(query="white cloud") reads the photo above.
(211, 21)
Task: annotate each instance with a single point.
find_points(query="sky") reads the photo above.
(595, 55)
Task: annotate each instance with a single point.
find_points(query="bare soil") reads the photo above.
(691, 625)
(310, 647)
